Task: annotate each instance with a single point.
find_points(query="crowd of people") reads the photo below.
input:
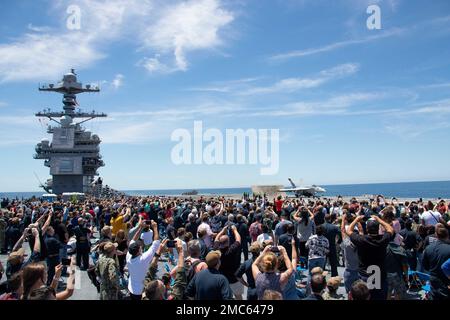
(204, 248)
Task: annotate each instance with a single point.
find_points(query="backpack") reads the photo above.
(255, 230)
(216, 224)
(191, 271)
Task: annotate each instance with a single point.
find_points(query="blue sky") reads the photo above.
(352, 105)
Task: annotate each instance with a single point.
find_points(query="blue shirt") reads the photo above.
(279, 229)
(290, 289)
(209, 284)
(446, 267)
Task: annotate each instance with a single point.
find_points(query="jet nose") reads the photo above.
(319, 189)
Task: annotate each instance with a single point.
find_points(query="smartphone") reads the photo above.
(65, 261)
(171, 244)
(274, 249)
(148, 222)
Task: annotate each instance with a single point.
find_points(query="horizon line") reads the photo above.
(242, 187)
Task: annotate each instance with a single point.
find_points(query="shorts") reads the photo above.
(237, 288)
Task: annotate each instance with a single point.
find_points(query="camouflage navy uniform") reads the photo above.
(178, 287)
(332, 296)
(3, 226)
(108, 271)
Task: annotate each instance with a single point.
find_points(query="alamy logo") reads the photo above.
(238, 146)
(374, 280)
(374, 20)
(73, 21)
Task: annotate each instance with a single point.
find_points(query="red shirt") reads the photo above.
(144, 215)
(168, 213)
(278, 205)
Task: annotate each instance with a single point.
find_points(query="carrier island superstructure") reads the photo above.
(73, 155)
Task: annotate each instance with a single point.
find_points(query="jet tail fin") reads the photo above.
(292, 183)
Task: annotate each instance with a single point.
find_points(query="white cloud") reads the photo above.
(153, 65)
(38, 28)
(435, 85)
(409, 130)
(294, 84)
(133, 127)
(44, 56)
(225, 86)
(185, 27)
(337, 105)
(336, 45)
(432, 108)
(140, 127)
(118, 81)
(179, 28)
(422, 118)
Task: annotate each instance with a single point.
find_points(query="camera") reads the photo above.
(171, 244)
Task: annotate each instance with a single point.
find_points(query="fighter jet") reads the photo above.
(303, 191)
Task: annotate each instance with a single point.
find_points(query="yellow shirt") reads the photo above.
(117, 224)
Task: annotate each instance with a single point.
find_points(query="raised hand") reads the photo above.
(58, 271)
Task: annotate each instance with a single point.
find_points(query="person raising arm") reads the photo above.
(47, 222)
(389, 229)
(223, 232)
(294, 255)
(284, 277)
(257, 262)
(68, 292)
(37, 241)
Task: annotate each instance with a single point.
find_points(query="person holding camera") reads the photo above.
(139, 261)
(155, 289)
(371, 248)
(230, 259)
(34, 279)
(16, 260)
(265, 270)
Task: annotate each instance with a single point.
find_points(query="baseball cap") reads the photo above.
(109, 247)
(318, 270)
(334, 282)
(213, 258)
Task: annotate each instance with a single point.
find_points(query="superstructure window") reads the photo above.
(66, 166)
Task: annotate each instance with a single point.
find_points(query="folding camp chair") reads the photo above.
(301, 268)
(419, 281)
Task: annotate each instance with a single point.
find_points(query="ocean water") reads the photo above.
(431, 190)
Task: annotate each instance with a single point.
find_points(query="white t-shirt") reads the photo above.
(175, 252)
(147, 237)
(336, 210)
(137, 268)
(430, 217)
(263, 237)
(209, 232)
